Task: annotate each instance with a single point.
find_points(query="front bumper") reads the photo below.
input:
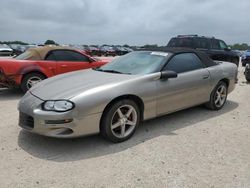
(33, 119)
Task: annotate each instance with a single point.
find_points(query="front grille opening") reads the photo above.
(66, 131)
(51, 122)
(26, 121)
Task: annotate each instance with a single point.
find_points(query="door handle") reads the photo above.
(205, 76)
(63, 65)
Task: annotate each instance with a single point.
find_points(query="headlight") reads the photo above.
(58, 106)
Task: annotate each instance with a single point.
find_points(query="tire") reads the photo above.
(26, 83)
(218, 96)
(115, 126)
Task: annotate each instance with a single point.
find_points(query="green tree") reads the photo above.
(243, 46)
(126, 45)
(50, 42)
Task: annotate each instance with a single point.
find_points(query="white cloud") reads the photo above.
(122, 21)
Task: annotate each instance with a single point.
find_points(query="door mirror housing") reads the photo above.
(168, 74)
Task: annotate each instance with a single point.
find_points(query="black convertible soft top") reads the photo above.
(208, 62)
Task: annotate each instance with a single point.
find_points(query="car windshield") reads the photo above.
(24, 56)
(136, 63)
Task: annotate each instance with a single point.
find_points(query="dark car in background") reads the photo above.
(247, 71)
(217, 49)
(119, 50)
(246, 58)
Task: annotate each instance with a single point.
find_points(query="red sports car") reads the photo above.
(37, 64)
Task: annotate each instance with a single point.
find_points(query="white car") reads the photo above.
(5, 50)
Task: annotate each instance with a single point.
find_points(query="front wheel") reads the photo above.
(218, 96)
(120, 121)
(30, 80)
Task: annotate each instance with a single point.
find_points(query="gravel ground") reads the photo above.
(191, 148)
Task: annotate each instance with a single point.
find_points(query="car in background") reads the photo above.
(217, 49)
(108, 51)
(94, 51)
(119, 50)
(5, 50)
(247, 71)
(128, 49)
(245, 58)
(79, 47)
(18, 49)
(115, 98)
(37, 64)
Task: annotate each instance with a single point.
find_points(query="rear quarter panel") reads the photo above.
(224, 70)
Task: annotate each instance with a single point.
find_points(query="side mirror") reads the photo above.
(228, 49)
(168, 74)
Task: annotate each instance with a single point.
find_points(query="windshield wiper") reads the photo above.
(111, 71)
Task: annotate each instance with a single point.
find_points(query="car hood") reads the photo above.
(69, 85)
(5, 49)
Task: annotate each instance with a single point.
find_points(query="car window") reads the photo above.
(66, 55)
(184, 62)
(215, 44)
(222, 45)
(180, 42)
(51, 57)
(201, 43)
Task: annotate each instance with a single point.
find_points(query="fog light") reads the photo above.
(58, 121)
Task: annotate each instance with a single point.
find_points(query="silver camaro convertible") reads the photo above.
(115, 98)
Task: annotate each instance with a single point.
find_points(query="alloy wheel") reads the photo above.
(220, 96)
(124, 121)
(33, 81)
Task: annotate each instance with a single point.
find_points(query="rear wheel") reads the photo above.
(120, 121)
(30, 80)
(218, 96)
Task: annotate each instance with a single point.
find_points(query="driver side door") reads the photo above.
(190, 88)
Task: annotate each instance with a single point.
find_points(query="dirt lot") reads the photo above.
(191, 148)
